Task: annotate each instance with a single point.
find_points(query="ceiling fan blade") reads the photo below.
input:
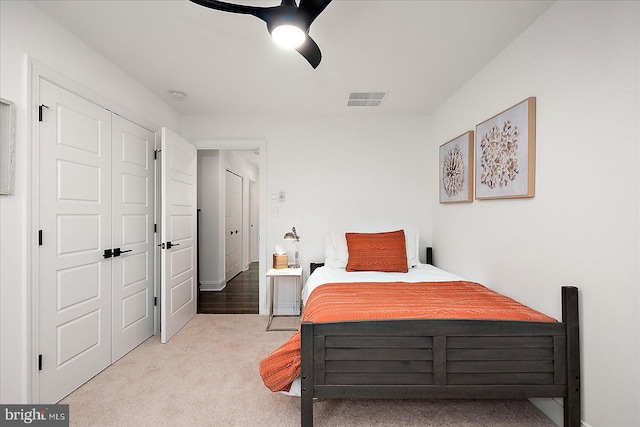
(311, 52)
(312, 8)
(264, 13)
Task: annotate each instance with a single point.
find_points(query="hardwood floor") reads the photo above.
(240, 296)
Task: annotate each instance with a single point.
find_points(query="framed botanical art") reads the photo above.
(456, 169)
(506, 153)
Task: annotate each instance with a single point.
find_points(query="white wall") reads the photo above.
(581, 61)
(24, 30)
(339, 173)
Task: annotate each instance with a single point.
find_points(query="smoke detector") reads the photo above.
(177, 95)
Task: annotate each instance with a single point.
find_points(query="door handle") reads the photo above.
(170, 245)
(117, 251)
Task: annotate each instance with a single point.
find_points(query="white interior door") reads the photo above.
(178, 233)
(74, 316)
(132, 234)
(233, 225)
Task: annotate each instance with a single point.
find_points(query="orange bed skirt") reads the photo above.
(334, 302)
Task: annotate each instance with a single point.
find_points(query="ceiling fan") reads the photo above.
(288, 23)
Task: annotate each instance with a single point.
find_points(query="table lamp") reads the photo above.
(292, 235)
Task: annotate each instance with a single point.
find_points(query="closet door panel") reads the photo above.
(74, 216)
(133, 219)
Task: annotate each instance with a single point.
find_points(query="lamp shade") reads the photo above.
(292, 235)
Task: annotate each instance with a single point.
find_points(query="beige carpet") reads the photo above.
(207, 375)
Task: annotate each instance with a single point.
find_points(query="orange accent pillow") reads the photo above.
(385, 252)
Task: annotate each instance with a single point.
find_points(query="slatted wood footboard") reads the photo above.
(463, 359)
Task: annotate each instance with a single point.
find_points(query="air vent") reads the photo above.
(365, 99)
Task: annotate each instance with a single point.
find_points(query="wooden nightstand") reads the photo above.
(274, 273)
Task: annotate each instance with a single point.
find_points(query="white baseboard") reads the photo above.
(210, 286)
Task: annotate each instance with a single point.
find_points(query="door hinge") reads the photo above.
(39, 237)
(39, 362)
(40, 107)
(155, 154)
(155, 228)
(155, 301)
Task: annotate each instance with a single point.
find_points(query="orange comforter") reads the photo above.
(368, 301)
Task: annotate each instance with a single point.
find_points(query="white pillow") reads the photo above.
(337, 254)
(412, 240)
(335, 250)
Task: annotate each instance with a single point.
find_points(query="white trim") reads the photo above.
(213, 286)
(33, 158)
(251, 144)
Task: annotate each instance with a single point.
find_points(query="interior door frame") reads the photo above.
(254, 205)
(36, 71)
(261, 146)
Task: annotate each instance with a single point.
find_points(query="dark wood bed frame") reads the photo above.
(440, 359)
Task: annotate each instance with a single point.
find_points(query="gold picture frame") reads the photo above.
(505, 150)
(456, 169)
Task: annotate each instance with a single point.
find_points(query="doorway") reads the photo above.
(229, 199)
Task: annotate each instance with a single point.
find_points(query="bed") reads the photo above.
(446, 356)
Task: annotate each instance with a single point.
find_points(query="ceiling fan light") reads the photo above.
(288, 36)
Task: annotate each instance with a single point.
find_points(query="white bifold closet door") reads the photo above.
(95, 256)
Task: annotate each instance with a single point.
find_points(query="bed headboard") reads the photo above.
(315, 265)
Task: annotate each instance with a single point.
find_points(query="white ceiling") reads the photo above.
(420, 51)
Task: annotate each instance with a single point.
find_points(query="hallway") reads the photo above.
(240, 296)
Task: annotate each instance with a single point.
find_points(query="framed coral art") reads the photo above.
(456, 169)
(506, 153)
